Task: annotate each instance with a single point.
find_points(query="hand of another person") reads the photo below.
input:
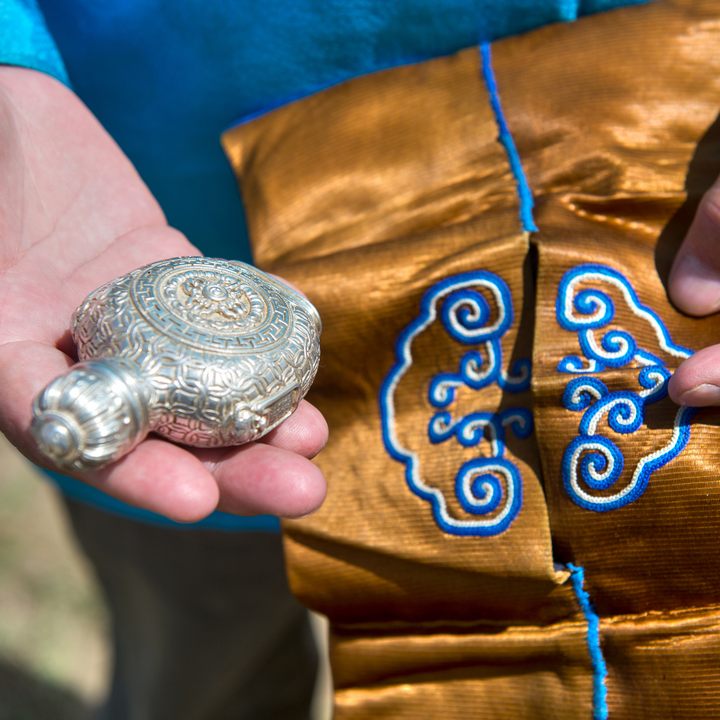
(73, 215)
(695, 289)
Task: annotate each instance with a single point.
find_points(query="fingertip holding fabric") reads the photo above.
(701, 395)
(695, 286)
(696, 382)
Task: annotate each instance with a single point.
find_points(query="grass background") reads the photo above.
(53, 652)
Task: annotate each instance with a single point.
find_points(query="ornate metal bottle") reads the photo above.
(204, 352)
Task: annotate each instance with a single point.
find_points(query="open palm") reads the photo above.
(73, 215)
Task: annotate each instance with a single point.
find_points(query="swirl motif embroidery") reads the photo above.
(592, 458)
(487, 489)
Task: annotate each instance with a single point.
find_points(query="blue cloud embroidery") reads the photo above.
(593, 465)
(476, 311)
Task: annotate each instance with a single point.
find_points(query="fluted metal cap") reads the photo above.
(92, 415)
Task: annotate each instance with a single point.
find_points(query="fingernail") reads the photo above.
(697, 285)
(701, 395)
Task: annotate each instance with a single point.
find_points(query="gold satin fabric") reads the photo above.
(372, 192)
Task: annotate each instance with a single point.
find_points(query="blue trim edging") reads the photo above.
(84, 493)
(506, 139)
(600, 706)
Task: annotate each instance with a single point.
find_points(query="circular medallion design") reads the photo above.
(209, 299)
(212, 305)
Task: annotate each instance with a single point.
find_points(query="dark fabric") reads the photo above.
(203, 624)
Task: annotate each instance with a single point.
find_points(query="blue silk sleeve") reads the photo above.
(26, 41)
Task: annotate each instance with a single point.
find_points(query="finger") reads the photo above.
(160, 477)
(156, 476)
(258, 478)
(305, 432)
(25, 369)
(695, 276)
(697, 381)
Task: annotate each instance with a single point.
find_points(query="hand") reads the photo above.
(695, 289)
(73, 215)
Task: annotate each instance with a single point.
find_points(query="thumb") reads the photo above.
(695, 276)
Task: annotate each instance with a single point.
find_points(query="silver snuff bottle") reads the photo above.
(203, 352)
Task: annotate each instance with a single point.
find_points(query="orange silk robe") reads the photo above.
(519, 523)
